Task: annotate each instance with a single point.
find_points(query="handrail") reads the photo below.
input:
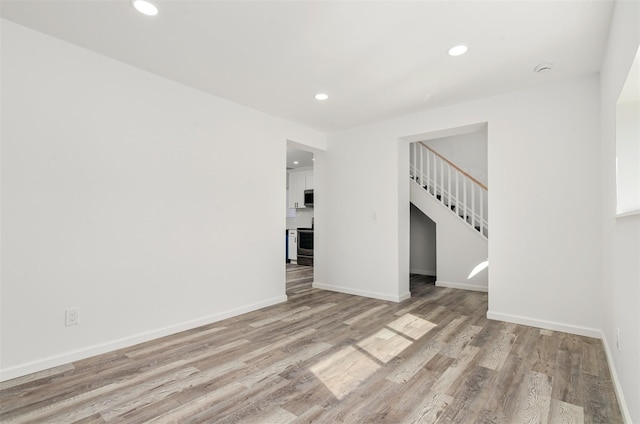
(455, 166)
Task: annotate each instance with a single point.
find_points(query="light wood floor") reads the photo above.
(328, 357)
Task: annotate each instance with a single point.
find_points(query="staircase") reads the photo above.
(456, 190)
(457, 203)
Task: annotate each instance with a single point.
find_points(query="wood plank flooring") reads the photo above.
(328, 357)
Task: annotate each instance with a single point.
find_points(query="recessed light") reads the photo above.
(295, 162)
(145, 7)
(322, 96)
(543, 67)
(458, 50)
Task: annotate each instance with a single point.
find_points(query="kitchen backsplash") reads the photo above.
(302, 218)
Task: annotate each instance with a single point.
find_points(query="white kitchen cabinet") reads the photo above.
(298, 183)
(308, 180)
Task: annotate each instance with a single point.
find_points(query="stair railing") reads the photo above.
(458, 191)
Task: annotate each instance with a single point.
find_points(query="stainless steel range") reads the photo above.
(305, 246)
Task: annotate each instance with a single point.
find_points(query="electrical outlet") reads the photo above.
(71, 316)
(618, 345)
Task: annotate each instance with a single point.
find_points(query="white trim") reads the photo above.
(462, 286)
(363, 293)
(445, 132)
(65, 358)
(626, 415)
(430, 272)
(548, 325)
(628, 213)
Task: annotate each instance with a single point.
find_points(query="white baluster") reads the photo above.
(464, 192)
(410, 158)
(435, 174)
(449, 184)
(473, 205)
(432, 177)
(428, 168)
(413, 146)
(441, 180)
(457, 193)
(421, 166)
(411, 151)
(481, 211)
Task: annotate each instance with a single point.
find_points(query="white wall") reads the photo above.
(460, 249)
(423, 243)
(544, 246)
(468, 151)
(303, 218)
(625, 316)
(620, 290)
(356, 241)
(127, 196)
(628, 156)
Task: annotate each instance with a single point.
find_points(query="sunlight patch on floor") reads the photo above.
(346, 369)
(412, 326)
(385, 345)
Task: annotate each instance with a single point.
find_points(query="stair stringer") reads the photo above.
(459, 249)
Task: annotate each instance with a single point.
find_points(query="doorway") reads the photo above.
(299, 252)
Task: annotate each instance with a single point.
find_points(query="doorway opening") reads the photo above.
(300, 219)
(448, 213)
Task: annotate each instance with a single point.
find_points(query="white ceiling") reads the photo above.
(375, 59)
(303, 158)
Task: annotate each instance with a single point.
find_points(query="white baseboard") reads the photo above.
(363, 293)
(404, 296)
(626, 415)
(422, 271)
(65, 358)
(462, 286)
(547, 325)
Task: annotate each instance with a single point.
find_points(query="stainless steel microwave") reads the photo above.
(308, 198)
